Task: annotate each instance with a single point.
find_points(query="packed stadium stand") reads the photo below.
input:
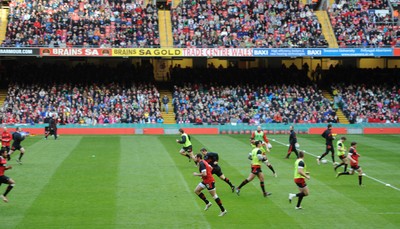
(75, 99)
(216, 24)
(84, 23)
(375, 104)
(246, 24)
(365, 24)
(251, 104)
(273, 100)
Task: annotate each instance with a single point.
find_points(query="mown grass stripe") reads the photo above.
(41, 161)
(81, 193)
(151, 191)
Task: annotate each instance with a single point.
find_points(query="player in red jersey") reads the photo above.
(353, 158)
(6, 139)
(208, 182)
(212, 159)
(3, 178)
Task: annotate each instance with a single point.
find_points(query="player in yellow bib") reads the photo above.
(259, 135)
(187, 149)
(256, 156)
(300, 174)
(341, 152)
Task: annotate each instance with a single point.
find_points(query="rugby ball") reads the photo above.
(297, 145)
(324, 161)
(269, 145)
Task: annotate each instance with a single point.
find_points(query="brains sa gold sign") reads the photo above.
(156, 52)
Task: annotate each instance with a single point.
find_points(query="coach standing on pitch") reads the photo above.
(52, 128)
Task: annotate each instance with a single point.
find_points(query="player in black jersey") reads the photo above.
(327, 134)
(16, 145)
(212, 159)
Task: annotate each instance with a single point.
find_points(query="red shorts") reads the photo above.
(256, 169)
(300, 182)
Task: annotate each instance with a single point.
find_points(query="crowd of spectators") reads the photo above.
(91, 96)
(364, 24)
(245, 24)
(82, 23)
(82, 104)
(364, 104)
(263, 96)
(86, 93)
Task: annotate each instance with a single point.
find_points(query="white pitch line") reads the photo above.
(372, 178)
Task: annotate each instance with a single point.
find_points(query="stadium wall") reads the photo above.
(160, 129)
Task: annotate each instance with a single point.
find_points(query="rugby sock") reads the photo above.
(271, 168)
(289, 151)
(300, 195)
(188, 156)
(203, 197)
(297, 154)
(243, 184)
(228, 181)
(20, 156)
(262, 186)
(344, 173)
(322, 156)
(9, 187)
(333, 158)
(345, 167)
(360, 180)
(336, 167)
(219, 202)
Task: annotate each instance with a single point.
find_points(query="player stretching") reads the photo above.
(4, 179)
(300, 172)
(208, 182)
(212, 159)
(353, 157)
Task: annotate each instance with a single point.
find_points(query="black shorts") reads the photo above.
(217, 170)
(208, 186)
(330, 148)
(256, 169)
(16, 147)
(188, 149)
(6, 148)
(355, 167)
(4, 179)
(342, 157)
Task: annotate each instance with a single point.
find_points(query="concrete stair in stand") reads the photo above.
(170, 117)
(342, 118)
(3, 95)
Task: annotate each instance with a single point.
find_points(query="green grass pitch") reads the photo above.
(142, 182)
